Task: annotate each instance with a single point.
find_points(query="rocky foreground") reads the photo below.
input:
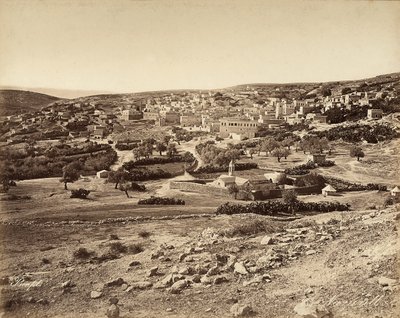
(332, 265)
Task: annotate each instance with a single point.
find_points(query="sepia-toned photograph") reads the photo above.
(199, 159)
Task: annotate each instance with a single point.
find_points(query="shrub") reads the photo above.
(326, 163)
(161, 201)
(144, 234)
(82, 253)
(114, 237)
(135, 248)
(388, 201)
(14, 197)
(118, 247)
(80, 193)
(138, 187)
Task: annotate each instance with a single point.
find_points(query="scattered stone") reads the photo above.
(254, 281)
(186, 270)
(134, 263)
(311, 252)
(152, 272)
(201, 269)
(116, 282)
(239, 268)
(182, 257)
(157, 254)
(238, 310)
(113, 311)
(42, 301)
(208, 310)
(177, 287)
(308, 309)
(206, 280)
(169, 310)
(213, 271)
(196, 278)
(141, 285)
(114, 300)
(267, 240)
(309, 291)
(67, 284)
(124, 286)
(95, 294)
(219, 280)
(384, 281)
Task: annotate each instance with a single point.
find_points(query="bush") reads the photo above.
(82, 253)
(388, 201)
(138, 187)
(118, 247)
(161, 201)
(80, 193)
(144, 234)
(14, 197)
(135, 248)
(326, 163)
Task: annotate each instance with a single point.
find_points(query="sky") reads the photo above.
(133, 46)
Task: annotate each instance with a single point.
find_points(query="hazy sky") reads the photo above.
(130, 46)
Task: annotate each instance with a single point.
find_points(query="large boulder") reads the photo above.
(309, 309)
(238, 310)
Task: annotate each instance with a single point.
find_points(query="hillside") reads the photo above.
(17, 101)
(282, 90)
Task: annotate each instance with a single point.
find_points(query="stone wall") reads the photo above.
(197, 187)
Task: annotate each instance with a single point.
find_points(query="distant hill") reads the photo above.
(17, 101)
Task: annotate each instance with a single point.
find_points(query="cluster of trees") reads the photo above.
(358, 132)
(33, 161)
(212, 155)
(145, 148)
(340, 115)
(185, 135)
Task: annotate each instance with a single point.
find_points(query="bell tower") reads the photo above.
(231, 168)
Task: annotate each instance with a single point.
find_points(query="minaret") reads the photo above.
(231, 168)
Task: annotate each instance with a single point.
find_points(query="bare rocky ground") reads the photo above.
(328, 265)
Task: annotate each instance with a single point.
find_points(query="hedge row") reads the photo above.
(238, 167)
(277, 207)
(161, 201)
(158, 160)
(306, 167)
(343, 185)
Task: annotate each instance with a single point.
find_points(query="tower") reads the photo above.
(231, 168)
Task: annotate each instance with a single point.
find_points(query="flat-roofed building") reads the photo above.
(239, 126)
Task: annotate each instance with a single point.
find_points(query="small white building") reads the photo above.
(102, 174)
(395, 192)
(328, 190)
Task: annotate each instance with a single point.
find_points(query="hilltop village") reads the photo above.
(136, 205)
(233, 113)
